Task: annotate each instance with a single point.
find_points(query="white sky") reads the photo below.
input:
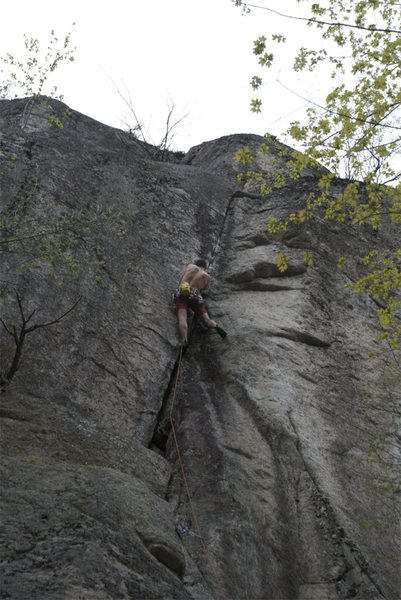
(197, 53)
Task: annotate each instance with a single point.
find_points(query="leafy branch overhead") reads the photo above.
(355, 133)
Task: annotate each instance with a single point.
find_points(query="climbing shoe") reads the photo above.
(221, 332)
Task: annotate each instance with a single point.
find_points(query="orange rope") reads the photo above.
(220, 587)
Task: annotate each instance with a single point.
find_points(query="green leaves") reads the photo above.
(29, 76)
(256, 105)
(39, 233)
(282, 262)
(356, 132)
(259, 45)
(244, 156)
(256, 82)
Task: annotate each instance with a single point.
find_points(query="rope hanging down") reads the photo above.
(220, 587)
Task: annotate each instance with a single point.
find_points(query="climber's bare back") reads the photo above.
(196, 277)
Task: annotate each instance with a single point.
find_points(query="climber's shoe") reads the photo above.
(221, 332)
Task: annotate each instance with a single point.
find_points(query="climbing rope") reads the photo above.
(220, 587)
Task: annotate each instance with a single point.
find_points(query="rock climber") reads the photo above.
(193, 281)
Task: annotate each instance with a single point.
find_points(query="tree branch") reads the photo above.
(340, 114)
(6, 328)
(19, 338)
(57, 320)
(317, 21)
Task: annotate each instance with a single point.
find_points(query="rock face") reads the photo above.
(284, 439)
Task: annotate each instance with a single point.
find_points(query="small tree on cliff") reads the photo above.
(31, 76)
(19, 332)
(355, 133)
(33, 233)
(135, 126)
(42, 236)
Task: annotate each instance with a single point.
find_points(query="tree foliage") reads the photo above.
(45, 241)
(31, 75)
(355, 133)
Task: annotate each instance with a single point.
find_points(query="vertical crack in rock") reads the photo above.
(30, 143)
(162, 427)
(220, 235)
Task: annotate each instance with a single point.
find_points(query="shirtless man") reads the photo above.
(194, 280)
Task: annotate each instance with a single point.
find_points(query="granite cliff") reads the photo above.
(284, 459)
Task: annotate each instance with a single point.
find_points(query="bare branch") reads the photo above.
(170, 130)
(340, 114)
(19, 300)
(128, 102)
(318, 22)
(57, 320)
(19, 338)
(6, 328)
(165, 143)
(398, 176)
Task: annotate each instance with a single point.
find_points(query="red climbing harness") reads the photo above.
(191, 298)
